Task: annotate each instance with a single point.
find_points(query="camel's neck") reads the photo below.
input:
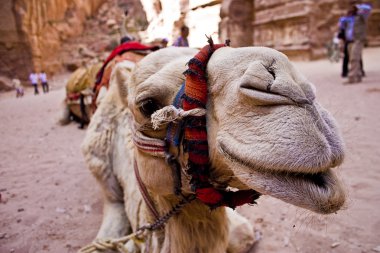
(196, 229)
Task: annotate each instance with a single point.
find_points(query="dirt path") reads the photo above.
(51, 203)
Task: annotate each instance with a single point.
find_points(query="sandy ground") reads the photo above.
(51, 203)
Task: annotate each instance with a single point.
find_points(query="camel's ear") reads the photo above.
(121, 77)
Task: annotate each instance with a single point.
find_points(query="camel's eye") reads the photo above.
(148, 107)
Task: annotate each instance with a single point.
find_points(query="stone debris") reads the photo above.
(335, 244)
(60, 210)
(286, 241)
(87, 208)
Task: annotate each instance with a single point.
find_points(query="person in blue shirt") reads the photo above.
(43, 78)
(346, 27)
(33, 78)
(182, 40)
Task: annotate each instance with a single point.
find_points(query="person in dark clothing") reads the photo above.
(346, 24)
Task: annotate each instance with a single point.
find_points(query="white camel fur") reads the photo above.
(265, 131)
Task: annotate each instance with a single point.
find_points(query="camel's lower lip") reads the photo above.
(321, 192)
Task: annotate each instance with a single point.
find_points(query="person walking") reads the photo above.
(33, 78)
(182, 40)
(361, 13)
(43, 78)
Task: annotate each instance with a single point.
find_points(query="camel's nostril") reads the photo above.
(271, 71)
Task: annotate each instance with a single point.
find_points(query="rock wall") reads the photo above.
(298, 28)
(373, 35)
(236, 24)
(31, 32)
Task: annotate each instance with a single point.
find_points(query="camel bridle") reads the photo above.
(186, 129)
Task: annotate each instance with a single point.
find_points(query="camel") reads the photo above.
(266, 134)
(88, 85)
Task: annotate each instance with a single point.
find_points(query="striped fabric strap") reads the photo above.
(151, 146)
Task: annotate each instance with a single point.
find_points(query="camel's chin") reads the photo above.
(319, 192)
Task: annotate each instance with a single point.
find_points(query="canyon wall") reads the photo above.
(31, 32)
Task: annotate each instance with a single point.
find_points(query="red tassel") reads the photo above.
(209, 196)
(234, 199)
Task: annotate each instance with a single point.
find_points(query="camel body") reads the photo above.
(265, 131)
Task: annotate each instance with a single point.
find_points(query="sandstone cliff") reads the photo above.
(32, 31)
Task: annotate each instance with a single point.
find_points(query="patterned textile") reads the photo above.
(195, 136)
(128, 46)
(103, 75)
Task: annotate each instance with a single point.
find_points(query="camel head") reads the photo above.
(265, 129)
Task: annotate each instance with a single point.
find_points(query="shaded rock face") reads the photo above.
(236, 24)
(14, 48)
(373, 29)
(32, 31)
(136, 19)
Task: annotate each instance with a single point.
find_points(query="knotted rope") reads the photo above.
(113, 244)
(172, 114)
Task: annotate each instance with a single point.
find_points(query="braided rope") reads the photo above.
(112, 244)
(118, 244)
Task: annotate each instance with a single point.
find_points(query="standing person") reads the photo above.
(361, 13)
(33, 78)
(182, 40)
(44, 82)
(19, 89)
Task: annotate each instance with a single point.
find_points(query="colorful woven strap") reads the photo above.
(195, 136)
(152, 146)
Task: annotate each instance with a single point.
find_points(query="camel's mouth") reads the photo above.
(319, 192)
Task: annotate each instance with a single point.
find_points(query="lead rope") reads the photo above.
(144, 192)
(118, 244)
